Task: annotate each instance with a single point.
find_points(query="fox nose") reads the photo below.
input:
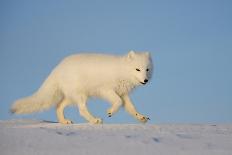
(146, 80)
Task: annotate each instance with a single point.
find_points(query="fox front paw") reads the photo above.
(110, 112)
(142, 118)
(96, 121)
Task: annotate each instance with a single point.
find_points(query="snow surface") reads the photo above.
(33, 137)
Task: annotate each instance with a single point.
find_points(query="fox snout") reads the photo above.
(144, 82)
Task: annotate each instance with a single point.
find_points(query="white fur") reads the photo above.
(81, 76)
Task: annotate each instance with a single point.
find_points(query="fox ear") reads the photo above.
(131, 54)
(147, 54)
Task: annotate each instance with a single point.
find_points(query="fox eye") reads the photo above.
(147, 70)
(138, 69)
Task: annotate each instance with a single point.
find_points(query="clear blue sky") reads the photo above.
(190, 42)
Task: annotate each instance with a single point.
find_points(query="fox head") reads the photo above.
(140, 67)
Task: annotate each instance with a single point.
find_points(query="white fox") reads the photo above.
(81, 76)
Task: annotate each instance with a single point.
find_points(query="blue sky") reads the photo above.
(190, 42)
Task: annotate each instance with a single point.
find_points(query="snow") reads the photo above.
(33, 137)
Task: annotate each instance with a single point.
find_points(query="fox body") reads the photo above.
(81, 76)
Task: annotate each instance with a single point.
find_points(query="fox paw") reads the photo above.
(65, 121)
(96, 121)
(142, 118)
(109, 114)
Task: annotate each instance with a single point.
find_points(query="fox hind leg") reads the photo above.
(60, 112)
(82, 105)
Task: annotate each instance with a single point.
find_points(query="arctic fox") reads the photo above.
(81, 76)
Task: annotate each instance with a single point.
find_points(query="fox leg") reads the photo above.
(60, 112)
(114, 99)
(84, 112)
(130, 108)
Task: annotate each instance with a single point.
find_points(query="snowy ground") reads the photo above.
(30, 137)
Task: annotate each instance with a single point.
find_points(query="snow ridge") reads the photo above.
(43, 137)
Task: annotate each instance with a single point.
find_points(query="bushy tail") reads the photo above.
(47, 96)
